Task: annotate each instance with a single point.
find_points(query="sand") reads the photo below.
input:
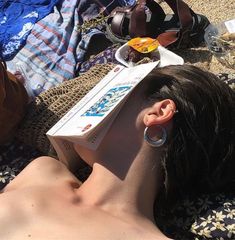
(216, 11)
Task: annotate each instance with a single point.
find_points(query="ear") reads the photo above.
(161, 112)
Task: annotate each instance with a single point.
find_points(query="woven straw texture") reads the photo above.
(53, 104)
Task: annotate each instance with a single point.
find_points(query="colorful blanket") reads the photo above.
(17, 18)
(56, 46)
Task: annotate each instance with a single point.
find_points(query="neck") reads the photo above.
(124, 183)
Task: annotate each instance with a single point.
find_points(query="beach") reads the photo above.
(216, 11)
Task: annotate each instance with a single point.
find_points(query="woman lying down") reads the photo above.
(175, 131)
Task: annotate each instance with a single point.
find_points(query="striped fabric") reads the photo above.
(55, 48)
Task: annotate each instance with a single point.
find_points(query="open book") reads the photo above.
(89, 120)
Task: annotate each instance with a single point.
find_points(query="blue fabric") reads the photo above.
(17, 18)
(55, 48)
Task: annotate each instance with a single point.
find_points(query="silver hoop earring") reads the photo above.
(155, 143)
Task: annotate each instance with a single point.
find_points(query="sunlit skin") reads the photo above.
(46, 201)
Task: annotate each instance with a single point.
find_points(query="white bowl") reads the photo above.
(166, 57)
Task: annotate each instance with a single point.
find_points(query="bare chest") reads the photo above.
(37, 213)
(51, 214)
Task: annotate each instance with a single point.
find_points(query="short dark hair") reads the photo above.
(200, 151)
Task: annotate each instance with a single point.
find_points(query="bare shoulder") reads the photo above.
(44, 166)
(42, 170)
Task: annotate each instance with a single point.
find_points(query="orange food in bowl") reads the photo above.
(144, 45)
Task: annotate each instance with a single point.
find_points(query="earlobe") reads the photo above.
(161, 112)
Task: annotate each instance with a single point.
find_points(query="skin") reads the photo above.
(46, 201)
